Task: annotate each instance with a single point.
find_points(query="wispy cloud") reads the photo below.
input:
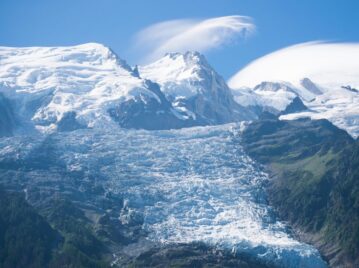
(191, 34)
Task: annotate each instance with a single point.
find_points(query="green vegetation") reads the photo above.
(193, 255)
(61, 237)
(316, 181)
(26, 239)
(81, 247)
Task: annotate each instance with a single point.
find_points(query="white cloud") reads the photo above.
(189, 34)
(328, 64)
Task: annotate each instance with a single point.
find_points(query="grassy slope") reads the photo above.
(60, 239)
(316, 185)
(26, 239)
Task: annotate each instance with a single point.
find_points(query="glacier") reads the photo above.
(188, 185)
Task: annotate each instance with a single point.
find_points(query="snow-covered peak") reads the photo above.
(176, 69)
(91, 54)
(23, 66)
(188, 58)
(87, 80)
(195, 88)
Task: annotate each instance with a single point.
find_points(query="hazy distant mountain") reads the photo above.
(324, 76)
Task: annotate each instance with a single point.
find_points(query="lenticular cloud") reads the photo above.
(187, 34)
(333, 64)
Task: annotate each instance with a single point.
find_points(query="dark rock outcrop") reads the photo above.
(150, 113)
(7, 118)
(295, 106)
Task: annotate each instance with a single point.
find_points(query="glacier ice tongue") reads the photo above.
(189, 185)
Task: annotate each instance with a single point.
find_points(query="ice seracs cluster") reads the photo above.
(186, 185)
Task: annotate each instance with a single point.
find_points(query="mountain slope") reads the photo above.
(53, 234)
(79, 85)
(195, 89)
(26, 239)
(315, 184)
(149, 195)
(63, 237)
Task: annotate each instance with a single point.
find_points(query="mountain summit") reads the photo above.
(195, 88)
(45, 84)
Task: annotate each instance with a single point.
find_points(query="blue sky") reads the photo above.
(116, 22)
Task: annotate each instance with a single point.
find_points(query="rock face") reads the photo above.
(149, 113)
(68, 122)
(295, 106)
